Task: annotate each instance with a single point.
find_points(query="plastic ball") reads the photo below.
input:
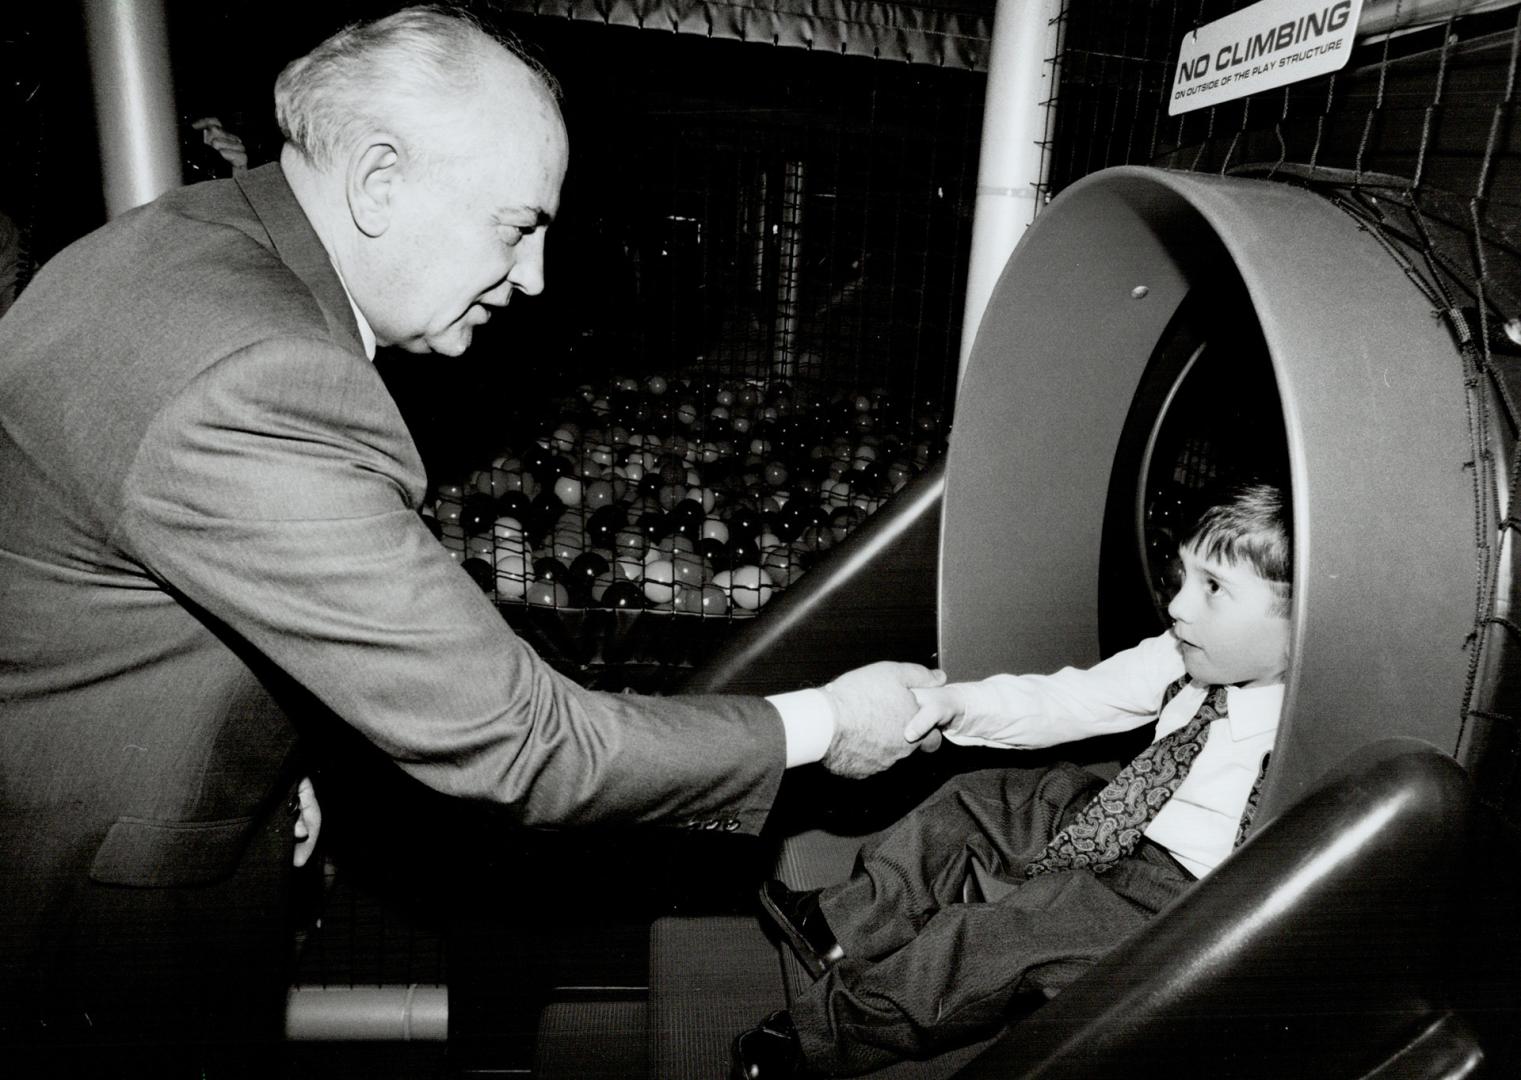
(688, 600)
(623, 595)
(743, 522)
(514, 504)
(477, 513)
(702, 495)
(659, 577)
(569, 490)
(511, 587)
(567, 547)
(598, 494)
(751, 587)
(588, 565)
(689, 568)
(741, 552)
(714, 600)
(480, 572)
(548, 569)
(447, 510)
(716, 552)
(631, 542)
(548, 594)
(653, 525)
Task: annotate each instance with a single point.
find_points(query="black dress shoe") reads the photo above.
(797, 916)
(768, 1051)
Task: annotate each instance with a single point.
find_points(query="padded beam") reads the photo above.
(871, 597)
(1372, 398)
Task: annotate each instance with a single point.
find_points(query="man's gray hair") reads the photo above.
(375, 74)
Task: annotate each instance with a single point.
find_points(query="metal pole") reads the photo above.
(1021, 66)
(789, 277)
(1387, 16)
(415, 1013)
(134, 100)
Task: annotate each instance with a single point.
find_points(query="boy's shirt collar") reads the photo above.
(1250, 711)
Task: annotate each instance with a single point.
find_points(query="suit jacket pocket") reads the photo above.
(159, 854)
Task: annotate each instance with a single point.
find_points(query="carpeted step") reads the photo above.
(592, 1040)
(710, 979)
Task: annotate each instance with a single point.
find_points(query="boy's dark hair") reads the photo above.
(1250, 523)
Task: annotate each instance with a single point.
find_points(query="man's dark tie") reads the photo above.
(1111, 826)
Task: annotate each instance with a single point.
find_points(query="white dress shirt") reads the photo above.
(1198, 824)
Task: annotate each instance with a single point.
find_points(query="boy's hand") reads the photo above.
(873, 705)
(308, 821)
(938, 706)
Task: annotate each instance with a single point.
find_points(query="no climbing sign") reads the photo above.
(1269, 44)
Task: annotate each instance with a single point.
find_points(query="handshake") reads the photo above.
(882, 713)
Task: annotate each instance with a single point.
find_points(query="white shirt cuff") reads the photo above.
(808, 721)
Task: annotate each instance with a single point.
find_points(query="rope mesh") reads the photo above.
(1415, 140)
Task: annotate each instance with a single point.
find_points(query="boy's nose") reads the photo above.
(1176, 608)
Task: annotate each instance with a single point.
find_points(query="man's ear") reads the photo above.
(372, 181)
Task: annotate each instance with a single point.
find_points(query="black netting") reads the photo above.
(747, 346)
(1415, 139)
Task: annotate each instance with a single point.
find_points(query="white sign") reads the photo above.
(1271, 43)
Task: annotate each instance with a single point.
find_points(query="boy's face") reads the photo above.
(1225, 621)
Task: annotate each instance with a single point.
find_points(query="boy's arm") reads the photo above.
(1031, 711)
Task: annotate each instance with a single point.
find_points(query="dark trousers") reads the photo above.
(162, 983)
(924, 970)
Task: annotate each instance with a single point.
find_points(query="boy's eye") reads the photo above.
(1211, 586)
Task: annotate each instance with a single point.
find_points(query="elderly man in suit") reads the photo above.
(211, 531)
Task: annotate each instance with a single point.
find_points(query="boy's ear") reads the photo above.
(372, 183)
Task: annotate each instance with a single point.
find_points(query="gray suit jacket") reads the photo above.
(211, 507)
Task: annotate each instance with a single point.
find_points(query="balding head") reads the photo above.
(403, 73)
(428, 155)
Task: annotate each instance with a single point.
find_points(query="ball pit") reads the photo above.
(697, 497)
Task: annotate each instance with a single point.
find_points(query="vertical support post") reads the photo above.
(135, 117)
(789, 278)
(1010, 171)
(755, 204)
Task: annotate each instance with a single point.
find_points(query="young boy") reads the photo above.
(1009, 883)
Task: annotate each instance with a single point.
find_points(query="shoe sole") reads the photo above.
(811, 961)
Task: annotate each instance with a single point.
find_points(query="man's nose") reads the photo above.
(527, 273)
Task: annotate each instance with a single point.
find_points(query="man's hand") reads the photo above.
(873, 706)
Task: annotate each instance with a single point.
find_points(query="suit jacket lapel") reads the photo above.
(296, 242)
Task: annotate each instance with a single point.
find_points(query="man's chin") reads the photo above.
(451, 342)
